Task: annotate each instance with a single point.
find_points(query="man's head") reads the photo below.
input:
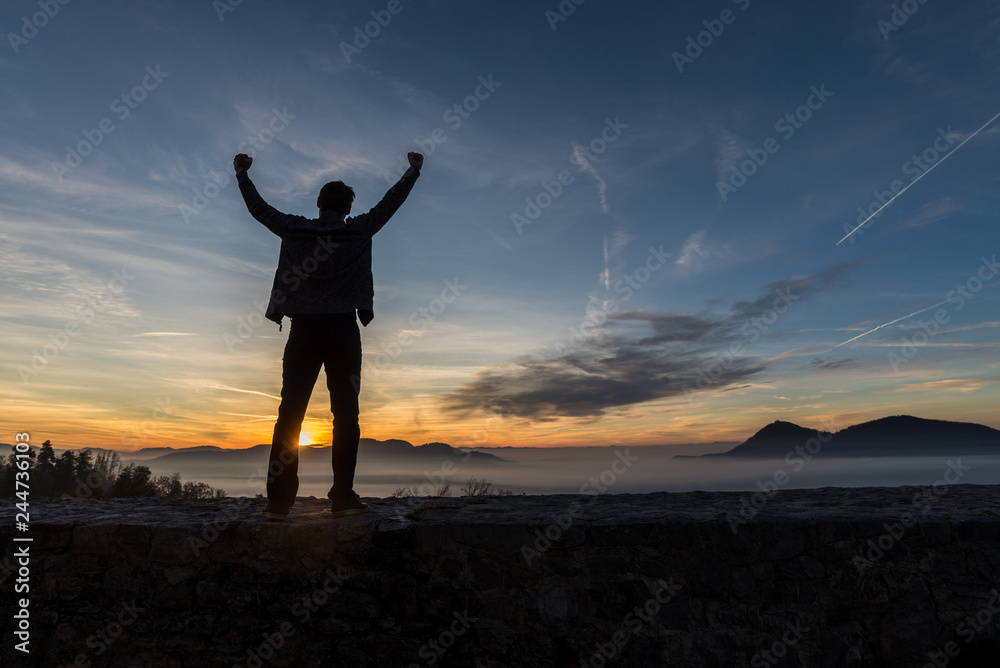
(336, 197)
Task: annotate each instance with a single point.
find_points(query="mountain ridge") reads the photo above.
(393, 448)
(895, 435)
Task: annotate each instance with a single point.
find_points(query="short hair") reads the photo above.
(335, 196)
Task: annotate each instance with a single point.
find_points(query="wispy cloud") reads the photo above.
(729, 150)
(952, 385)
(634, 357)
(692, 253)
(933, 213)
(602, 186)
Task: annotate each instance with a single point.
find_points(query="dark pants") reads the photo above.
(332, 341)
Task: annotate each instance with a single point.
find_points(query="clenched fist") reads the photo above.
(416, 159)
(242, 162)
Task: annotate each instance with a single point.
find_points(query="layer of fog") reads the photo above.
(615, 470)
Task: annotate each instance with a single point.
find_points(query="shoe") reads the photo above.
(348, 505)
(274, 511)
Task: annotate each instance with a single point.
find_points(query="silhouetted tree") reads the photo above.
(80, 474)
(84, 466)
(43, 475)
(197, 490)
(169, 486)
(8, 470)
(483, 487)
(134, 481)
(106, 469)
(65, 474)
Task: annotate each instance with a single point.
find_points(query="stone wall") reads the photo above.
(833, 577)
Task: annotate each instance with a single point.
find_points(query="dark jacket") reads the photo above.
(325, 264)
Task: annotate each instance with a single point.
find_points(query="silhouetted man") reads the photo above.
(323, 284)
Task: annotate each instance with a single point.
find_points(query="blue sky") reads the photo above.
(641, 302)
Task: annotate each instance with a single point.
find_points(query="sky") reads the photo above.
(636, 224)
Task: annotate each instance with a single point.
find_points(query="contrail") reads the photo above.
(889, 323)
(602, 186)
(917, 179)
(220, 386)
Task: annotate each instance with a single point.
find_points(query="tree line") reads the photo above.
(82, 475)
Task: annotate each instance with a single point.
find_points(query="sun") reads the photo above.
(306, 438)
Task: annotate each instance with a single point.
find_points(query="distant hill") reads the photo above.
(777, 437)
(395, 449)
(153, 453)
(896, 436)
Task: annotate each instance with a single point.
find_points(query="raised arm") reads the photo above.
(373, 221)
(279, 223)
